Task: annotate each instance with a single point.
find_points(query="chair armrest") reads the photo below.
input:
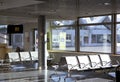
(106, 63)
(71, 66)
(4, 62)
(27, 58)
(95, 64)
(83, 65)
(34, 58)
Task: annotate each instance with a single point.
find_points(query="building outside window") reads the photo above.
(94, 33)
(63, 33)
(118, 34)
(3, 34)
(17, 40)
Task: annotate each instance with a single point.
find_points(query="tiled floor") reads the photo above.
(43, 76)
(96, 80)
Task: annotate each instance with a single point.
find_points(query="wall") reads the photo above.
(2, 51)
(28, 36)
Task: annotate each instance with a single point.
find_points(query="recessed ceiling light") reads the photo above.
(42, 1)
(106, 3)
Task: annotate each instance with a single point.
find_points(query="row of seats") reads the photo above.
(19, 61)
(23, 60)
(22, 56)
(87, 62)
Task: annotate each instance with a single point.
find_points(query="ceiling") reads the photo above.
(27, 11)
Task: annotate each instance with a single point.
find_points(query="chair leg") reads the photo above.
(55, 77)
(71, 78)
(68, 76)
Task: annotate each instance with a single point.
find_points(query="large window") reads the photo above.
(95, 34)
(118, 38)
(95, 20)
(17, 40)
(63, 35)
(118, 34)
(3, 34)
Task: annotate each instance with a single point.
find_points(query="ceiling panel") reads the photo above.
(57, 9)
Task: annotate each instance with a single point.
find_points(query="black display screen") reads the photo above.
(14, 29)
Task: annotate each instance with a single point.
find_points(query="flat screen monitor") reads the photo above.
(11, 29)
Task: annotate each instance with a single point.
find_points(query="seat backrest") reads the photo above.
(25, 56)
(34, 55)
(72, 62)
(95, 61)
(105, 59)
(13, 56)
(84, 62)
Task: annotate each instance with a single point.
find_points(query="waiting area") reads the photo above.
(23, 67)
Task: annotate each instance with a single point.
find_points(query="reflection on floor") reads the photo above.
(51, 76)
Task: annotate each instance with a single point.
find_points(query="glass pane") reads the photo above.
(3, 34)
(95, 38)
(17, 40)
(36, 40)
(3, 29)
(63, 38)
(97, 19)
(118, 38)
(118, 17)
(63, 22)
